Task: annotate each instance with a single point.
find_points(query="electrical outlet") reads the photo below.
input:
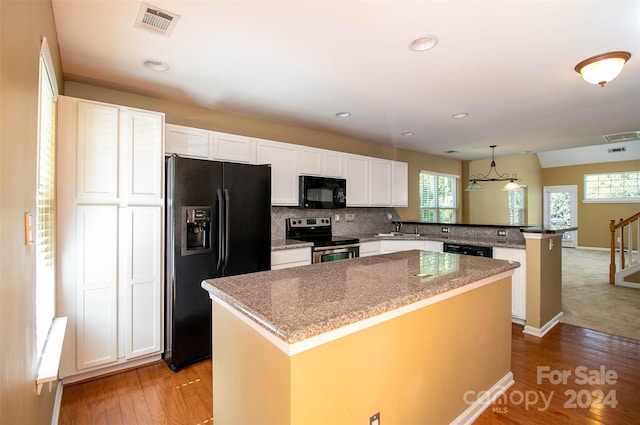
(445, 230)
(337, 218)
(350, 217)
(502, 232)
(375, 419)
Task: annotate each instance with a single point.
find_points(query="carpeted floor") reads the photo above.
(589, 301)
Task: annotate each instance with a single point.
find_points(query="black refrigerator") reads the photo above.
(218, 223)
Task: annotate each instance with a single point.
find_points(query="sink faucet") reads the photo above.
(398, 226)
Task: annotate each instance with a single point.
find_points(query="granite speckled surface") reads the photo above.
(280, 244)
(298, 303)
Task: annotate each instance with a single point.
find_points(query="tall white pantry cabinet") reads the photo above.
(110, 172)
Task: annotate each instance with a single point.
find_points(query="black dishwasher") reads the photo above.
(478, 251)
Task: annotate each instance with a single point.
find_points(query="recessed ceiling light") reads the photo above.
(460, 115)
(424, 43)
(408, 133)
(343, 114)
(155, 64)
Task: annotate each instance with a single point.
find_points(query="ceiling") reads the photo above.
(508, 64)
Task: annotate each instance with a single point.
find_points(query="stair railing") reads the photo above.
(624, 244)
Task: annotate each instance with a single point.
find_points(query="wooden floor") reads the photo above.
(155, 395)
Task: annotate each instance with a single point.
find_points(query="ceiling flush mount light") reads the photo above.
(602, 68)
(155, 65)
(493, 176)
(423, 44)
(343, 114)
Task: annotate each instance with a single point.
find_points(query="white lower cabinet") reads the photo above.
(285, 258)
(370, 248)
(110, 236)
(519, 280)
(387, 246)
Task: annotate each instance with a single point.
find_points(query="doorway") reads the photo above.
(560, 208)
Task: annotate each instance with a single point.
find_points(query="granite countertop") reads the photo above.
(280, 244)
(548, 229)
(298, 303)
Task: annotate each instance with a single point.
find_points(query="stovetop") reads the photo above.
(317, 230)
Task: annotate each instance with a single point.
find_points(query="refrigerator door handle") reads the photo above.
(227, 218)
(220, 234)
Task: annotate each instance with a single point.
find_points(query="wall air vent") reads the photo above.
(622, 137)
(616, 150)
(156, 20)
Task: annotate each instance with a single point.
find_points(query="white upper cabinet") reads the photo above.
(188, 142)
(333, 164)
(357, 174)
(321, 162)
(311, 161)
(399, 184)
(234, 148)
(379, 182)
(140, 148)
(283, 158)
(371, 182)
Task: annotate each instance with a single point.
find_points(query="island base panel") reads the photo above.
(426, 366)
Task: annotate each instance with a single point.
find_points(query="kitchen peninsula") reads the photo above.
(414, 336)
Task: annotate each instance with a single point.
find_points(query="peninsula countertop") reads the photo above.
(299, 303)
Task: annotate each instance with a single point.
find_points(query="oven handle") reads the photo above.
(336, 248)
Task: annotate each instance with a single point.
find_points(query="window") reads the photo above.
(438, 197)
(45, 200)
(612, 187)
(516, 206)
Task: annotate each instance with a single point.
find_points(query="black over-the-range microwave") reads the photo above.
(322, 192)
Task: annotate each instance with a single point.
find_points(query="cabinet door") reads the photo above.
(433, 246)
(519, 279)
(97, 151)
(380, 182)
(357, 174)
(311, 161)
(97, 278)
(395, 246)
(234, 148)
(141, 156)
(368, 249)
(283, 158)
(286, 258)
(141, 279)
(399, 184)
(187, 141)
(334, 164)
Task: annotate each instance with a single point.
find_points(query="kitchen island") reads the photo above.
(416, 336)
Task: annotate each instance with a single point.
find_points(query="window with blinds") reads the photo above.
(438, 197)
(45, 223)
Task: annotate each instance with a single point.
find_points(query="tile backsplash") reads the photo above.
(365, 220)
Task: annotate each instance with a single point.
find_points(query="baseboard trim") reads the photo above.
(540, 332)
(483, 402)
(57, 404)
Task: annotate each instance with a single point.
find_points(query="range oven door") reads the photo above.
(334, 253)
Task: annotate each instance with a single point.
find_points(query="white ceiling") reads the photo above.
(509, 64)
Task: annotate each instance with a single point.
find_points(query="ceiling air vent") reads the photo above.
(156, 20)
(622, 137)
(616, 150)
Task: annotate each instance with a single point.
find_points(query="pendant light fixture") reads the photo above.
(493, 176)
(601, 69)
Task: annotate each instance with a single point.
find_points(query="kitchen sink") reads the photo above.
(397, 234)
